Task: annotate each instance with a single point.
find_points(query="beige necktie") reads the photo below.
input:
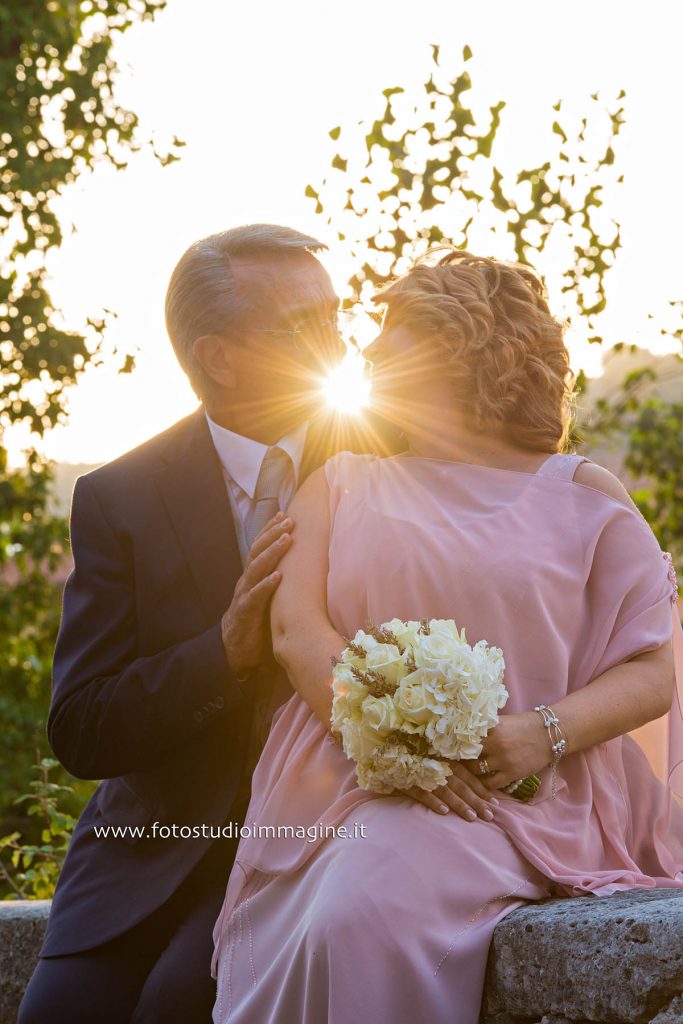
(270, 685)
(271, 490)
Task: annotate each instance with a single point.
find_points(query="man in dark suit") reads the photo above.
(163, 679)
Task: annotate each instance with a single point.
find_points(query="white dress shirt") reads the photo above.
(241, 458)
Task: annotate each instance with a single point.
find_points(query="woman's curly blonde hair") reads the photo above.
(505, 352)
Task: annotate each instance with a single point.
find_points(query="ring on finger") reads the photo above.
(484, 767)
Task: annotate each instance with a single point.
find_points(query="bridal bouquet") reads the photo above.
(411, 696)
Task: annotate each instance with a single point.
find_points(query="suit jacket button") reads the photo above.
(198, 716)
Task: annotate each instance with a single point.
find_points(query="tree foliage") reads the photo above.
(650, 433)
(59, 118)
(430, 171)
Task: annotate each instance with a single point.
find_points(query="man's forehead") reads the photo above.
(290, 280)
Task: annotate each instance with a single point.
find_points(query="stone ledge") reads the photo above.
(591, 960)
(615, 959)
(22, 927)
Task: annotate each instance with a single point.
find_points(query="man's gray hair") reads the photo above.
(203, 297)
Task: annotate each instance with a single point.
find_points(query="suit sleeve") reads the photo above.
(113, 713)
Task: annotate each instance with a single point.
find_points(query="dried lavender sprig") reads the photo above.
(355, 648)
(375, 681)
(383, 635)
(414, 743)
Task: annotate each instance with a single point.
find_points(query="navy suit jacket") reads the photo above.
(142, 696)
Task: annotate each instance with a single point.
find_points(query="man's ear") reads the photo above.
(213, 354)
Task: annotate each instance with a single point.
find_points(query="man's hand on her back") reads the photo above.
(245, 625)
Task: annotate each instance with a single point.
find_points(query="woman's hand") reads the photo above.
(516, 748)
(462, 793)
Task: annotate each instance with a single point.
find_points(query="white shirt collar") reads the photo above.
(241, 457)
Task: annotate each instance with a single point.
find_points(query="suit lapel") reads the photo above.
(192, 487)
(193, 490)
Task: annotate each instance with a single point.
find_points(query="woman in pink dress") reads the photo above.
(541, 553)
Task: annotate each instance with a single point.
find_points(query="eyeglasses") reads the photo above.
(312, 330)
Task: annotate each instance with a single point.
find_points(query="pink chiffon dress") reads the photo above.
(392, 923)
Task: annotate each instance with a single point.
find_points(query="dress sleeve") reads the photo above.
(631, 608)
(630, 590)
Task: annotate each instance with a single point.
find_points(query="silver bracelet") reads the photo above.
(557, 739)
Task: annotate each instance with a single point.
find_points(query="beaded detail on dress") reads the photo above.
(561, 465)
(672, 575)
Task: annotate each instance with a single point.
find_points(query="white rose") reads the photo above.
(388, 661)
(345, 684)
(395, 626)
(380, 714)
(436, 649)
(338, 714)
(348, 695)
(341, 710)
(414, 700)
(365, 642)
(410, 632)
(360, 742)
(445, 628)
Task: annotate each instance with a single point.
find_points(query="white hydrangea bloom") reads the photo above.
(393, 767)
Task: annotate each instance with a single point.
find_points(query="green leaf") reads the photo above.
(128, 364)
(558, 129)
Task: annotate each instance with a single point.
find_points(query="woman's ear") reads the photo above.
(213, 354)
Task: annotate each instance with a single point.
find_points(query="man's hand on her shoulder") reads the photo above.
(245, 625)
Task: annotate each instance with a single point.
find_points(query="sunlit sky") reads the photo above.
(254, 90)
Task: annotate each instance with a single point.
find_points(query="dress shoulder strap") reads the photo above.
(561, 465)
